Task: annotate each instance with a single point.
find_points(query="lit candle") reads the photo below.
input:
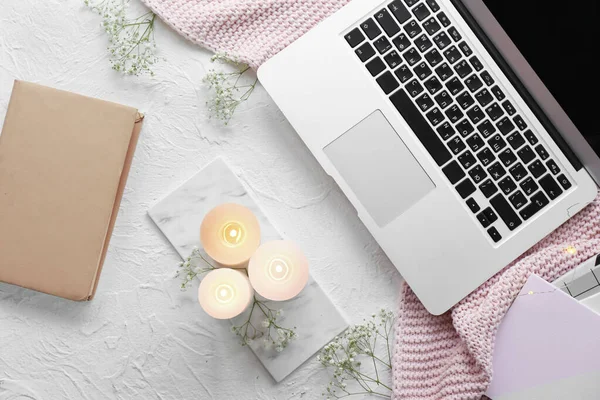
(225, 293)
(278, 270)
(230, 234)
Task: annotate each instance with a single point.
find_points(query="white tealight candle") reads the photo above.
(225, 293)
(230, 234)
(278, 270)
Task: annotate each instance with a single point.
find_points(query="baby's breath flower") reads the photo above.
(193, 266)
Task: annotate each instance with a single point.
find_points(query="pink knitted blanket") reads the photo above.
(445, 357)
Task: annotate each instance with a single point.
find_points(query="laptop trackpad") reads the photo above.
(379, 168)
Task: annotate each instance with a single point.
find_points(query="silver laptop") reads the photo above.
(461, 131)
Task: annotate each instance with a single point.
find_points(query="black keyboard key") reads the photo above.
(424, 102)
(487, 78)
(484, 97)
(456, 145)
(414, 88)
(505, 125)
(473, 83)
(507, 185)
(531, 138)
(486, 128)
(382, 44)
(455, 86)
(465, 128)
(487, 217)
(505, 211)
(387, 22)
(517, 199)
(444, 71)
(421, 12)
(466, 159)
(515, 140)
(529, 186)
(465, 188)
(445, 130)
(403, 73)
(433, 85)
(433, 5)
(375, 66)
(454, 114)
(399, 11)
(412, 28)
(476, 63)
(393, 59)
(463, 68)
(475, 143)
(370, 28)
(476, 115)
(431, 26)
(444, 19)
(550, 187)
(422, 71)
(488, 188)
(537, 169)
(453, 172)
(520, 122)
(496, 171)
(402, 42)
(509, 107)
(355, 37)
(494, 111)
(452, 54)
(494, 234)
(541, 152)
(465, 100)
(553, 167)
(486, 157)
(420, 127)
(478, 174)
(483, 220)
(538, 202)
(443, 99)
(365, 52)
(526, 154)
(442, 40)
(388, 83)
(411, 3)
(466, 50)
(472, 204)
(564, 182)
(434, 57)
(518, 172)
(412, 56)
(454, 33)
(497, 143)
(507, 157)
(498, 94)
(423, 43)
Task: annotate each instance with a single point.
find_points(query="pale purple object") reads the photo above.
(544, 337)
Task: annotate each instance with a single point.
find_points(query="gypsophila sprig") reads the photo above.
(229, 89)
(196, 264)
(361, 359)
(273, 335)
(132, 47)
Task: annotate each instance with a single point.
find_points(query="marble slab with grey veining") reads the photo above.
(179, 216)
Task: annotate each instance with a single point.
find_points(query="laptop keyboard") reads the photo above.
(458, 112)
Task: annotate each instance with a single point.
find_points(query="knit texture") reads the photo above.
(450, 356)
(250, 31)
(443, 357)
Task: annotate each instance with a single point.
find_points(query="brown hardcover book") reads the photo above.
(64, 160)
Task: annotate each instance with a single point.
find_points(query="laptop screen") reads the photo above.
(560, 42)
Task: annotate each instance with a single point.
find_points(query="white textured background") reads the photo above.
(141, 337)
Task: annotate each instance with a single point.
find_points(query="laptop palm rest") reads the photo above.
(379, 168)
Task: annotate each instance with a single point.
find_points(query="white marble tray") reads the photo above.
(179, 216)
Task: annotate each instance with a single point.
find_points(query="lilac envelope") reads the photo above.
(545, 336)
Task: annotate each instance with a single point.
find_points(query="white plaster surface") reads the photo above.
(141, 337)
